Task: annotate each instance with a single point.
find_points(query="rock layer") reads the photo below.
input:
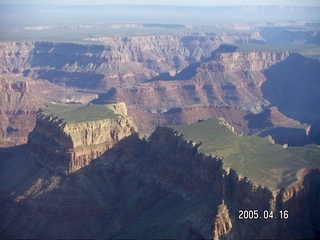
(124, 60)
(20, 98)
(161, 188)
(18, 108)
(66, 145)
(228, 79)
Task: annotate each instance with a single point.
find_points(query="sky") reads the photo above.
(171, 2)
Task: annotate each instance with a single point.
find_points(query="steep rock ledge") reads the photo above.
(66, 142)
(161, 188)
(226, 79)
(18, 107)
(248, 61)
(20, 98)
(124, 60)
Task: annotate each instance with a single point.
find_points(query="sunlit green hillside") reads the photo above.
(258, 159)
(79, 113)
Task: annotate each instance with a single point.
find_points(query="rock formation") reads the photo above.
(118, 61)
(18, 108)
(222, 79)
(229, 79)
(222, 223)
(68, 138)
(20, 98)
(237, 80)
(86, 172)
(161, 188)
(283, 35)
(293, 86)
(158, 73)
(137, 71)
(189, 114)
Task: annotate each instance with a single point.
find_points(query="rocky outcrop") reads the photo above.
(232, 80)
(118, 61)
(18, 108)
(20, 98)
(161, 188)
(222, 223)
(229, 79)
(293, 85)
(187, 115)
(157, 73)
(236, 78)
(279, 128)
(66, 145)
(283, 35)
(314, 132)
(300, 199)
(245, 61)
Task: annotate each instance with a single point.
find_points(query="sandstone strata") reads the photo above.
(222, 223)
(189, 114)
(20, 98)
(157, 73)
(123, 60)
(228, 79)
(66, 145)
(18, 108)
(248, 61)
(161, 188)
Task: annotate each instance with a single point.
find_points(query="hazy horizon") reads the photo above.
(17, 17)
(315, 3)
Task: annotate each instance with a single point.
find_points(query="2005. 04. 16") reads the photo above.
(255, 214)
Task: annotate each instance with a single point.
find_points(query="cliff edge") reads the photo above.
(67, 138)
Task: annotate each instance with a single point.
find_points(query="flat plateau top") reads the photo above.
(78, 114)
(264, 163)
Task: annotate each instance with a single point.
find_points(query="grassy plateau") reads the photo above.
(264, 163)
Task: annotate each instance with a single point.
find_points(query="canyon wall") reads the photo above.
(20, 99)
(118, 61)
(203, 75)
(68, 145)
(190, 114)
(161, 188)
(246, 61)
(226, 79)
(294, 86)
(17, 111)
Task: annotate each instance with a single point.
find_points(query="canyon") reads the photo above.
(162, 76)
(161, 136)
(20, 99)
(166, 186)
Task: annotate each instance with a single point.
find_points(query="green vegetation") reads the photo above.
(77, 114)
(307, 50)
(256, 158)
(310, 153)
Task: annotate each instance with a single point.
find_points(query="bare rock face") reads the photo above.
(68, 138)
(314, 132)
(248, 61)
(189, 114)
(167, 180)
(236, 78)
(20, 98)
(123, 60)
(161, 188)
(222, 223)
(227, 79)
(294, 86)
(18, 108)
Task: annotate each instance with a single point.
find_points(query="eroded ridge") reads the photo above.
(67, 138)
